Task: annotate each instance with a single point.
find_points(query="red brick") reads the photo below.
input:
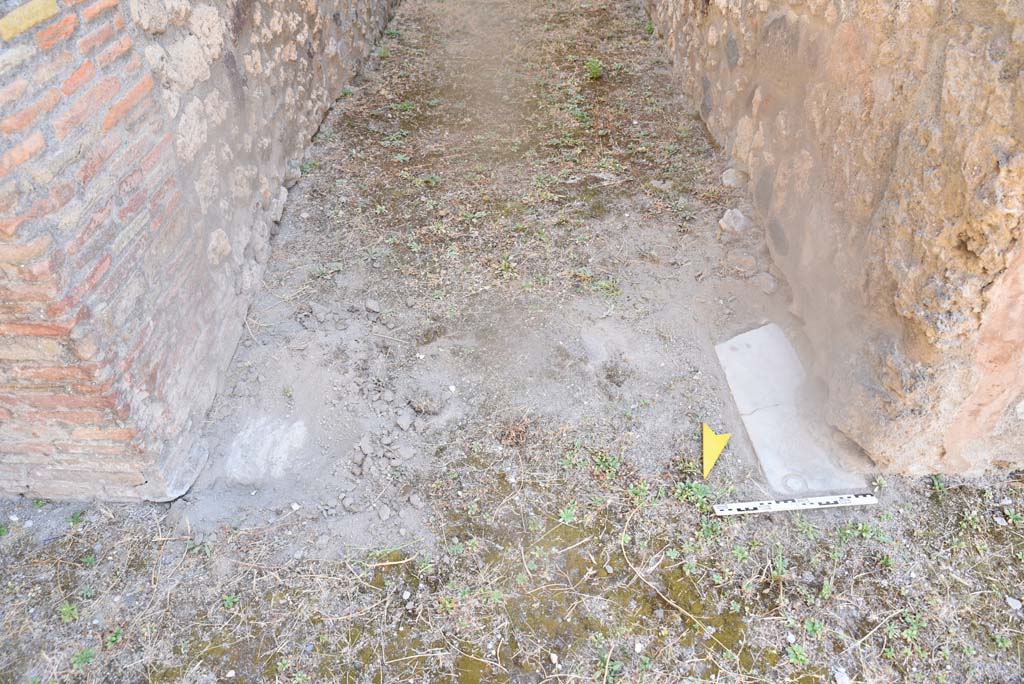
(9, 225)
(137, 201)
(88, 448)
(54, 33)
(55, 401)
(20, 153)
(60, 195)
(41, 270)
(151, 158)
(97, 156)
(12, 311)
(80, 290)
(97, 8)
(130, 182)
(168, 186)
(141, 113)
(26, 448)
(114, 50)
(93, 387)
(10, 197)
(98, 218)
(32, 292)
(134, 62)
(131, 98)
(50, 372)
(19, 121)
(36, 329)
(96, 38)
(76, 79)
(26, 252)
(12, 91)
(86, 105)
(73, 416)
(105, 434)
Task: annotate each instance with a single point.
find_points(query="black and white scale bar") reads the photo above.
(804, 504)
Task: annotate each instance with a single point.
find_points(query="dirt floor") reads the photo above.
(459, 441)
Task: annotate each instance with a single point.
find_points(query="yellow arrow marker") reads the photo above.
(712, 444)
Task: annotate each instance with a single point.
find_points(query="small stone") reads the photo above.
(404, 420)
(1014, 604)
(295, 506)
(554, 658)
(839, 675)
(384, 512)
(406, 594)
(366, 444)
(1000, 520)
(230, 674)
(765, 282)
(415, 501)
(389, 396)
(734, 178)
(791, 638)
(373, 306)
(320, 312)
(734, 222)
(742, 263)
(638, 647)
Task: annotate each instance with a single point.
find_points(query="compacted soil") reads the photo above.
(460, 439)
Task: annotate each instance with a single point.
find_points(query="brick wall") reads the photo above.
(144, 149)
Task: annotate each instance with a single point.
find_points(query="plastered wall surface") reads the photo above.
(884, 143)
(145, 146)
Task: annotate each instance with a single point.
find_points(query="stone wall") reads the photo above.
(145, 148)
(883, 141)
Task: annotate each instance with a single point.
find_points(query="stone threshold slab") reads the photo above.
(795, 449)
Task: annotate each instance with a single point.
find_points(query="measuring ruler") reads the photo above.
(804, 504)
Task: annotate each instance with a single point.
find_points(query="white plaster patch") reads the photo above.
(264, 450)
